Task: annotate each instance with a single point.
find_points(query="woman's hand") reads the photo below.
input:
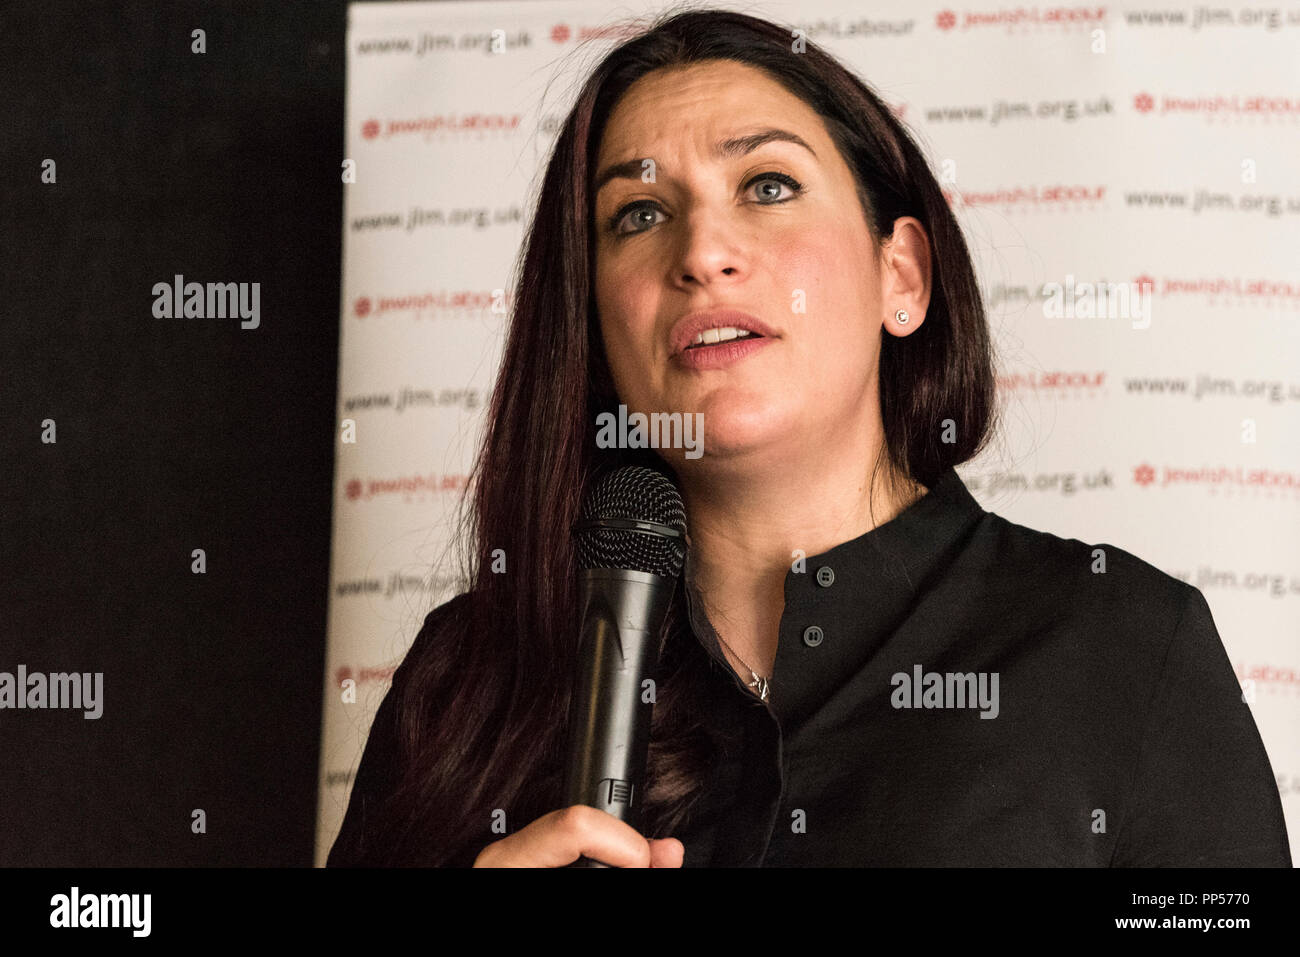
(561, 837)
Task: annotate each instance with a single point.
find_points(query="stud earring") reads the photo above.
(901, 316)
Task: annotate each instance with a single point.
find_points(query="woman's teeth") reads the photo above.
(709, 336)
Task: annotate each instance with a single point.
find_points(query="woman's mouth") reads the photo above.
(700, 356)
(713, 337)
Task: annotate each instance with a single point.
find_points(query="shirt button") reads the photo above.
(812, 636)
(825, 576)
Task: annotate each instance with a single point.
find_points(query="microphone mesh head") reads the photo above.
(633, 493)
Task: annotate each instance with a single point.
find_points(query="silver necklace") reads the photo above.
(757, 682)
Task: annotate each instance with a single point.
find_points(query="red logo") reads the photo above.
(362, 307)
(1143, 103)
(1144, 475)
(370, 129)
(945, 20)
(353, 488)
(560, 33)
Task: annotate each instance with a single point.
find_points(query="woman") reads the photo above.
(862, 665)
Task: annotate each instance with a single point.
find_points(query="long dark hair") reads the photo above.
(482, 714)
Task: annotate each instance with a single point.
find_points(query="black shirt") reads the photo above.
(1115, 733)
(954, 689)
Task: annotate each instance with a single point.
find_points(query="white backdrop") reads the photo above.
(1125, 144)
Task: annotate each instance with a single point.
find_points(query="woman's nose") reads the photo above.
(710, 249)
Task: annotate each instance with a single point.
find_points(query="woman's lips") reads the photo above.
(722, 354)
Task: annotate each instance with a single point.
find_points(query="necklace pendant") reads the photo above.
(760, 684)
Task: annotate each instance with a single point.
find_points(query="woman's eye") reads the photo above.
(768, 197)
(627, 212)
(780, 179)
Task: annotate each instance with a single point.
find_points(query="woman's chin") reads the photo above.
(733, 433)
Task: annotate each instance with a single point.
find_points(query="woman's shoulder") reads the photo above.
(437, 623)
(1101, 631)
(1026, 548)
(447, 610)
(1109, 591)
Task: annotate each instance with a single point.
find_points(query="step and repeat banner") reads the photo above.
(1128, 180)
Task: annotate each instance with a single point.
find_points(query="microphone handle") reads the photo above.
(609, 717)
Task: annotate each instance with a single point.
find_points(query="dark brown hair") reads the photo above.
(481, 713)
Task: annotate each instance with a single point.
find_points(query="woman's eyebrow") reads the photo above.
(724, 149)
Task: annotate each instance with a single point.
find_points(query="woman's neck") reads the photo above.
(745, 537)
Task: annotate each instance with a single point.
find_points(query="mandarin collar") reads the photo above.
(861, 590)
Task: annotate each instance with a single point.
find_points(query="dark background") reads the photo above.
(173, 434)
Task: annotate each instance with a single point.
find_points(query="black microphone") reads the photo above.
(631, 543)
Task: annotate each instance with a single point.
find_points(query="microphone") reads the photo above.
(631, 543)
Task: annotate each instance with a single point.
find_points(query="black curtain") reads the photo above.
(173, 434)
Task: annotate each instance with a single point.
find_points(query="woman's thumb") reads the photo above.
(666, 852)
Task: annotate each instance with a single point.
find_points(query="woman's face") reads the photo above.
(723, 231)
